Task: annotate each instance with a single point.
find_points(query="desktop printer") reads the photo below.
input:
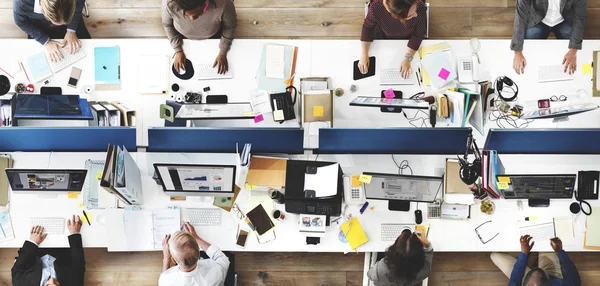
(301, 201)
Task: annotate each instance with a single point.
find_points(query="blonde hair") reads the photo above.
(184, 249)
(58, 11)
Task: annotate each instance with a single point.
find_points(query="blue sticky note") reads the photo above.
(4, 218)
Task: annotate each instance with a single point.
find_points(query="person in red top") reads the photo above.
(394, 19)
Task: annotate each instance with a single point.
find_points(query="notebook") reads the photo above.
(39, 68)
(107, 68)
(592, 234)
(260, 219)
(146, 229)
(355, 234)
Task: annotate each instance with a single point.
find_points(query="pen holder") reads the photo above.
(277, 196)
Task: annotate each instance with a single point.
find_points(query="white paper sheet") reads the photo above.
(153, 74)
(138, 229)
(166, 221)
(324, 182)
(260, 102)
(563, 226)
(275, 61)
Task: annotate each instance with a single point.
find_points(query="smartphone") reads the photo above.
(242, 237)
(75, 74)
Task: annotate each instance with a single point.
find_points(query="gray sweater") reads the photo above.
(531, 12)
(381, 275)
(27, 19)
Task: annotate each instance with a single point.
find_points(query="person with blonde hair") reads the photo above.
(183, 249)
(44, 20)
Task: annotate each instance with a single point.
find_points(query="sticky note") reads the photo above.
(89, 215)
(389, 93)
(278, 115)
(502, 185)
(258, 118)
(444, 73)
(318, 110)
(388, 101)
(80, 205)
(356, 181)
(249, 114)
(365, 178)
(586, 69)
(99, 175)
(421, 227)
(504, 180)
(72, 195)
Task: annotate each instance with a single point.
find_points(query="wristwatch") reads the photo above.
(408, 57)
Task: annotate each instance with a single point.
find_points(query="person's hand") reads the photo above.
(363, 64)
(37, 234)
(405, 68)
(74, 225)
(189, 228)
(221, 61)
(165, 248)
(519, 63)
(73, 42)
(423, 238)
(525, 246)
(53, 49)
(556, 244)
(179, 62)
(570, 61)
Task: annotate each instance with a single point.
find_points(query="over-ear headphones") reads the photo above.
(503, 81)
(470, 172)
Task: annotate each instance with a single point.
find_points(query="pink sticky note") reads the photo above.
(258, 118)
(444, 73)
(388, 101)
(389, 93)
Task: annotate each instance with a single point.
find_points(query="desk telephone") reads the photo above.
(468, 69)
(283, 105)
(353, 195)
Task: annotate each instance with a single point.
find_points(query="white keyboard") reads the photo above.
(391, 231)
(539, 232)
(206, 71)
(51, 225)
(553, 73)
(202, 217)
(68, 59)
(392, 76)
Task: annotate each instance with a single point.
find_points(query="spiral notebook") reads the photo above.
(145, 229)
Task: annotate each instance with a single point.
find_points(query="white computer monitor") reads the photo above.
(196, 180)
(402, 189)
(46, 180)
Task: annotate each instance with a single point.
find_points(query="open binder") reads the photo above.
(121, 176)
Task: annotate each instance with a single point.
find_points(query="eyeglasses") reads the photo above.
(238, 212)
(558, 98)
(479, 235)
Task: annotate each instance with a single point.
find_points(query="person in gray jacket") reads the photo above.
(535, 19)
(406, 262)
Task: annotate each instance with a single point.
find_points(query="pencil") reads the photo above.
(23, 67)
(7, 73)
(428, 228)
(2, 228)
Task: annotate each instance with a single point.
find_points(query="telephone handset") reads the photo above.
(468, 69)
(283, 105)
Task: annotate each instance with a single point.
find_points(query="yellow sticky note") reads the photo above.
(99, 175)
(502, 185)
(356, 181)
(72, 195)
(249, 114)
(318, 110)
(504, 180)
(421, 227)
(365, 179)
(89, 215)
(80, 205)
(586, 69)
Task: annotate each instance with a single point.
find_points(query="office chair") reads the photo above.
(427, 8)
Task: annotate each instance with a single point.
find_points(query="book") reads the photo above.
(354, 233)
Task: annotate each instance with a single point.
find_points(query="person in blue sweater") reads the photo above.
(553, 268)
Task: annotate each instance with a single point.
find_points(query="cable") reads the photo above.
(424, 116)
(402, 166)
(316, 158)
(504, 120)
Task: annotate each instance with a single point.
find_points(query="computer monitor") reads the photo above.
(197, 180)
(42, 105)
(538, 189)
(400, 190)
(46, 180)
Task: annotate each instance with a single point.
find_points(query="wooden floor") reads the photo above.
(298, 269)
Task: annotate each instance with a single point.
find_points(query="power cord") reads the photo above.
(402, 166)
(504, 120)
(420, 115)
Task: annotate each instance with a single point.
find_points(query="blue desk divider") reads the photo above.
(443, 141)
(543, 141)
(66, 139)
(223, 140)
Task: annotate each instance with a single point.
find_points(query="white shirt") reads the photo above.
(553, 16)
(208, 272)
(47, 268)
(36, 7)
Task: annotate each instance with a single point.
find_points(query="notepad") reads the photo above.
(592, 234)
(39, 68)
(355, 234)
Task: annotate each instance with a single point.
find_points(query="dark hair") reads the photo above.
(405, 257)
(399, 8)
(543, 277)
(187, 5)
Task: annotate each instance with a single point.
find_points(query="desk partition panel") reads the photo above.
(543, 141)
(442, 141)
(66, 139)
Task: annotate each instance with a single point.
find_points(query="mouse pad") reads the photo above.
(358, 75)
(189, 71)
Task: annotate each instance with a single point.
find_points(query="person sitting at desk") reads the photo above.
(406, 262)
(549, 270)
(183, 248)
(394, 19)
(199, 20)
(50, 267)
(535, 19)
(44, 20)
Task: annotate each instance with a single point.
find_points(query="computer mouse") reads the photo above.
(418, 217)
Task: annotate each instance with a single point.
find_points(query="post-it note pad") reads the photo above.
(365, 178)
(89, 215)
(444, 73)
(356, 181)
(72, 195)
(389, 93)
(258, 118)
(502, 185)
(318, 110)
(586, 69)
(503, 179)
(99, 175)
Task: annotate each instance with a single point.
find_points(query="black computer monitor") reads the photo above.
(400, 190)
(47, 180)
(538, 189)
(197, 180)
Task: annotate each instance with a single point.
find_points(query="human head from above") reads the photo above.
(406, 256)
(184, 250)
(58, 12)
(192, 9)
(536, 277)
(402, 10)
(52, 282)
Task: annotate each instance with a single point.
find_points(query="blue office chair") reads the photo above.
(367, 4)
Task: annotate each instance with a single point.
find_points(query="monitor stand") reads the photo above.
(536, 203)
(395, 205)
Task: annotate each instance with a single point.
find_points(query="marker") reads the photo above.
(364, 207)
(531, 218)
(86, 217)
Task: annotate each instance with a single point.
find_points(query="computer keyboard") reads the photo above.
(206, 71)
(202, 217)
(51, 225)
(539, 232)
(391, 231)
(553, 73)
(392, 76)
(68, 59)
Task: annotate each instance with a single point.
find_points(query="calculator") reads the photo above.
(434, 210)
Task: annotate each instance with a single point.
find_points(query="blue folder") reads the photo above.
(107, 65)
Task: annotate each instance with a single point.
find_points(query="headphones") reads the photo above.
(500, 84)
(470, 172)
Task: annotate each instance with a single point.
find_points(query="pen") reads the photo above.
(7, 73)
(2, 228)
(364, 207)
(25, 72)
(348, 229)
(428, 228)
(86, 217)
(418, 79)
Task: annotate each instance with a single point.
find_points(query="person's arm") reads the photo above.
(516, 276)
(420, 30)
(77, 258)
(175, 38)
(228, 24)
(579, 19)
(25, 261)
(72, 27)
(219, 257)
(572, 275)
(25, 24)
(520, 25)
(372, 273)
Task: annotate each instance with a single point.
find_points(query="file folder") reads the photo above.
(121, 176)
(99, 113)
(107, 68)
(275, 84)
(128, 115)
(114, 115)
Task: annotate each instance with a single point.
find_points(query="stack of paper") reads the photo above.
(6, 228)
(39, 68)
